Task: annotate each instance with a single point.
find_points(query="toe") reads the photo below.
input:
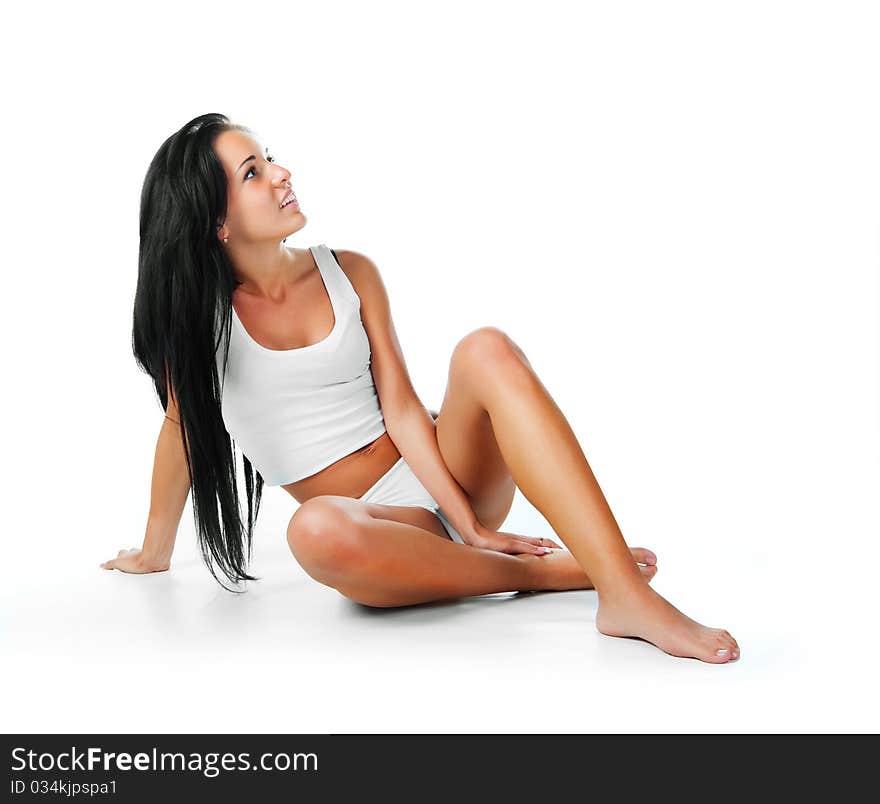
(729, 642)
(720, 647)
(722, 655)
(644, 556)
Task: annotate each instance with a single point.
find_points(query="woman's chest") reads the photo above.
(257, 376)
(306, 318)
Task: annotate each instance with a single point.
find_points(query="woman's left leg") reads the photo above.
(388, 555)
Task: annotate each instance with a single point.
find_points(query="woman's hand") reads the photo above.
(508, 542)
(134, 562)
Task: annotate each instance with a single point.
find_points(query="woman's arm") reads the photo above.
(169, 491)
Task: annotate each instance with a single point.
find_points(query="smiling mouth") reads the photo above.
(291, 199)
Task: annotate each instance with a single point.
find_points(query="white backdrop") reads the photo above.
(671, 207)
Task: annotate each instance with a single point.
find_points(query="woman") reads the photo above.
(291, 355)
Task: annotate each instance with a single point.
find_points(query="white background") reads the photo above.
(671, 207)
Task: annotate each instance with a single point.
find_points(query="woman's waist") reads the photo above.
(351, 476)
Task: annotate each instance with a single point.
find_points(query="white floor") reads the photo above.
(86, 650)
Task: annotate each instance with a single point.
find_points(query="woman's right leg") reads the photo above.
(402, 561)
(490, 375)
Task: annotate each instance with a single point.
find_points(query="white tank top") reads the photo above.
(293, 412)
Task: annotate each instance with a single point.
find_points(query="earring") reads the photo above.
(226, 239)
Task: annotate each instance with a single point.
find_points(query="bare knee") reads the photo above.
(331, 545)
(325, 539)
(492, 352)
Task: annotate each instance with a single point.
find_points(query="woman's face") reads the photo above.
(257, 188)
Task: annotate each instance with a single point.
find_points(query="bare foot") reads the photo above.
(642, 613)
(559, 570)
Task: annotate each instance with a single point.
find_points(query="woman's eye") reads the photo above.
(269, 158)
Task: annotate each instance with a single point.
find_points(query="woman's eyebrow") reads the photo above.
(252, 156)
(242, 164)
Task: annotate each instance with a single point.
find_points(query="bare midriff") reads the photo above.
(351, 476)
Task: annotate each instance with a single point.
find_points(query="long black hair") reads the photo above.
(182, 320)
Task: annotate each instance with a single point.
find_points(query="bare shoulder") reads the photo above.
(361, 271)
(367, 282)
(393, 384)
(354, 262)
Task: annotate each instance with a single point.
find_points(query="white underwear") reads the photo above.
(400, 486)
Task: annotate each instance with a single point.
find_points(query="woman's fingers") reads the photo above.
(503, 542)
(526, 544)
(514, 545)
(539, 541)
(545, 542)
(111, 564)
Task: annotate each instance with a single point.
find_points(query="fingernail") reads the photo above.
(546, 549)
(721, 650)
